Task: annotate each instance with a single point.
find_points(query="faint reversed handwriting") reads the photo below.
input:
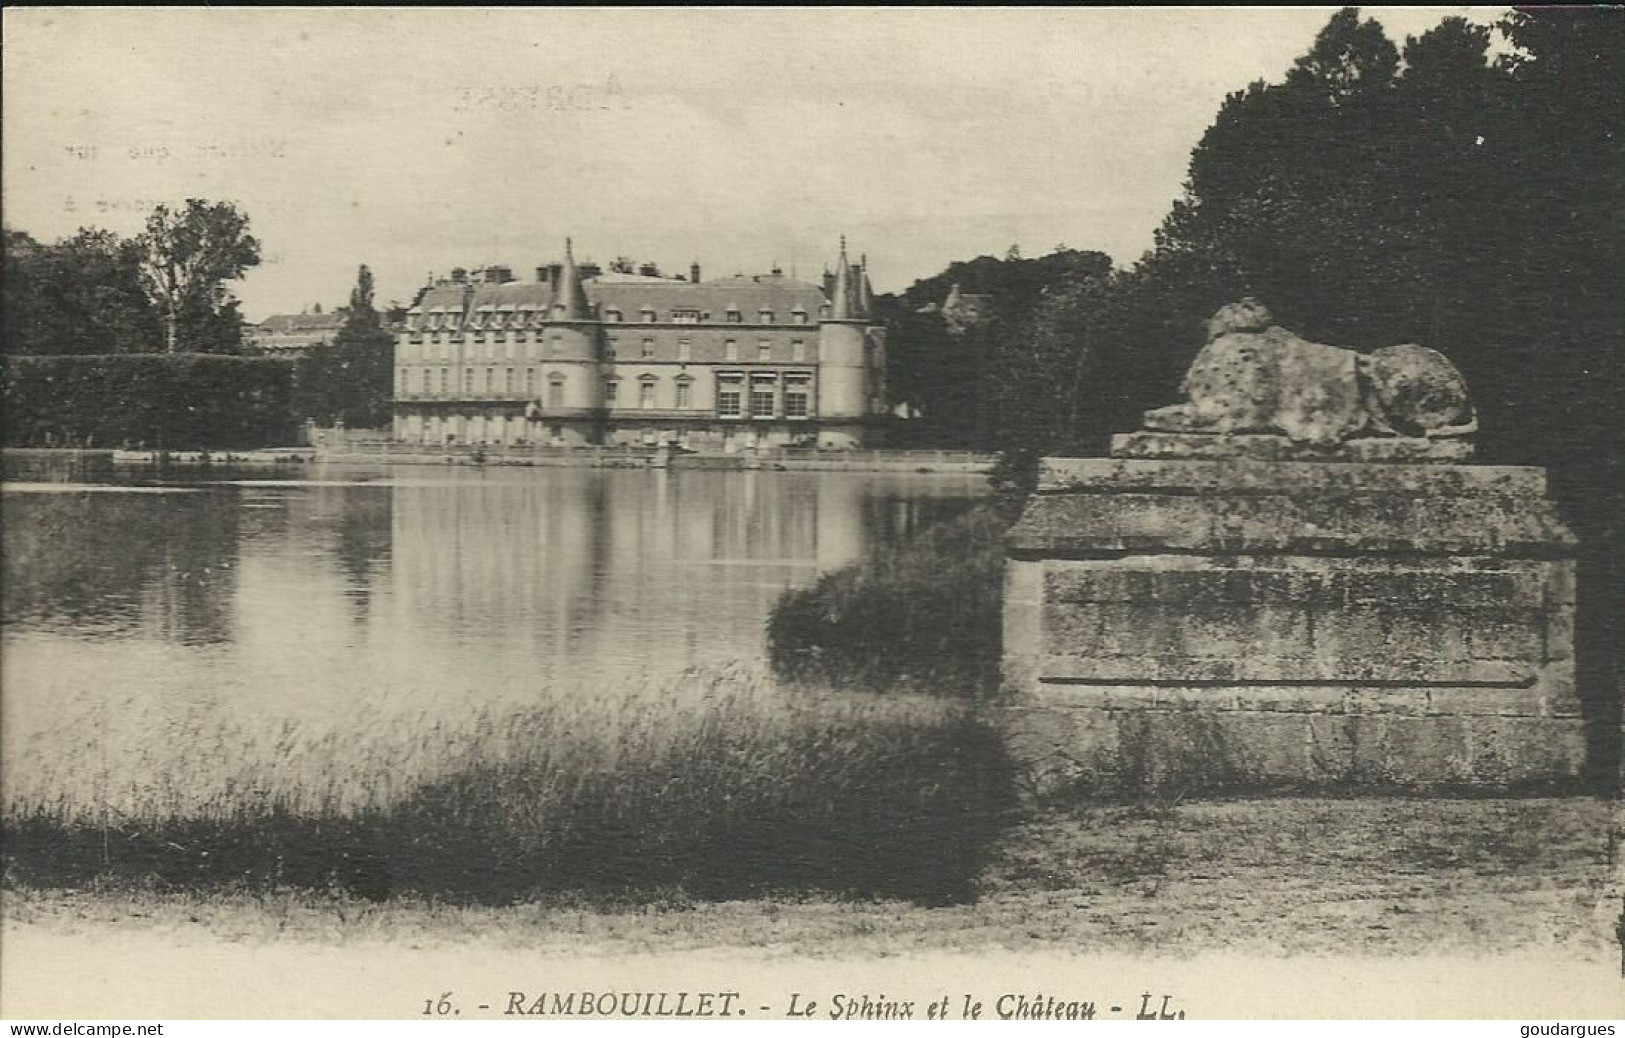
(263, 148)
(580, 97)
(105, 205)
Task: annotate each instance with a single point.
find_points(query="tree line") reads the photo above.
(165, 293)
(1437, 193)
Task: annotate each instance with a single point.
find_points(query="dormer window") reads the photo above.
(798, 315)
(648, 316)
(613, 314)
(685, 317)
(764, 316)
(733, 316)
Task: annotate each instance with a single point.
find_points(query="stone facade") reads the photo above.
(1249, 610)
(581, 357)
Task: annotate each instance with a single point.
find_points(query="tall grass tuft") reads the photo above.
(926, 615)
(716, 787)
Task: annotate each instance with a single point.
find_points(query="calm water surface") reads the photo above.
(299, 590)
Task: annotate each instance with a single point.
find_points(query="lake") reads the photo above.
(314, 592)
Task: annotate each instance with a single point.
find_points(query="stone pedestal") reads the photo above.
(1240, 611)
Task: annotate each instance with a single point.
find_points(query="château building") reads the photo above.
(293, 335)
(580, 356)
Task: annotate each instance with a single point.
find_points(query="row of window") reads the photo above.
(730, 350)
(486, 318)
(733, 390)
(646, 350)
(426, 381)
(762, 390)
(732, 315)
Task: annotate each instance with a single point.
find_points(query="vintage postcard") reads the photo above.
(824, 514)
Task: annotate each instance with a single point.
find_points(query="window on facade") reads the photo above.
(405, 375)
(508, 383)
(685, 317)
(612, 391)
(558, 345)
(648, 316)
(733, 316)
(685, 350)
(798, 351)
(490, 380)
(613, 314)
(530, 382)
(796, 394)
(555, 393)
(646, 394)
(728, 398)
(609, 347)
(648, 348)
(761, 399)
(683, 396)
(468, 381)
(445, 381)
(798, 315)
(764, 316)
(764, 350)
(730, 350)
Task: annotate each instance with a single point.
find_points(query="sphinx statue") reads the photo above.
(1254, 376)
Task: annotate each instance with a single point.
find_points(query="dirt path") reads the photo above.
(1281, 907)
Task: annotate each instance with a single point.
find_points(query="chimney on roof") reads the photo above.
(694, 272)
(778, 271)
(498, 275)
(459, 275)
(649, 270)
(543, 276)
(590, 269)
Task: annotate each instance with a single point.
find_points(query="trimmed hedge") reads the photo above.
(171, 401)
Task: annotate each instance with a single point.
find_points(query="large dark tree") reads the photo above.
(80, 295)
(187, 258)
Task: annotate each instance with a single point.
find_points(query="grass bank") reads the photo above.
(924, 615)
(716, 787)
(1275, 876)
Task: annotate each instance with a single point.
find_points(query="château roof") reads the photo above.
(593, 297)
(285, 324)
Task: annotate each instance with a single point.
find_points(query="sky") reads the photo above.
(417, 140)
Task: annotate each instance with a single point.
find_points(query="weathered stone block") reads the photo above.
(1344, 619)
(1262, 447)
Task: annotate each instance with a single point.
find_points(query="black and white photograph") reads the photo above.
(812, 513)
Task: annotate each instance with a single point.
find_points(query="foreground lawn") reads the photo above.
(1274, 876)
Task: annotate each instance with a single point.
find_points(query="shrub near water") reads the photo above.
(745, 794)
(924, 615)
